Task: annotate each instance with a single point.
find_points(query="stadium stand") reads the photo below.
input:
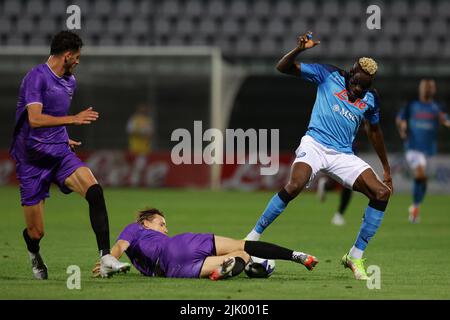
(410, 29)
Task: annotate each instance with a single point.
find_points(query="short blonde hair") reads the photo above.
(368, 65)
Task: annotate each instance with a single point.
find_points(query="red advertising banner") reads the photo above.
(122, 169)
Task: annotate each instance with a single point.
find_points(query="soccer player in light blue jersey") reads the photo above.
(418, 123)
(344, 100)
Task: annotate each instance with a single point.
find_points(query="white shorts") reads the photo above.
(342, 167)
(416, 158)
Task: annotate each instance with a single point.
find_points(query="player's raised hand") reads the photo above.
(305, 41)
(85, 117)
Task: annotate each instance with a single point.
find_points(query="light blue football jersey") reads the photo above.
(335, 120)
(423, 126)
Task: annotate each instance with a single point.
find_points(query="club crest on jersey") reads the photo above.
(342, 95)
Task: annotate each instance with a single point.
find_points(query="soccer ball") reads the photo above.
(259, 268)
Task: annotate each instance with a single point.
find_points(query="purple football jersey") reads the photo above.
(145, 247)
(41, 85)
(154, 253)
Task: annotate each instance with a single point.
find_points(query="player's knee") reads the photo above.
(94, 193)
(382, 194)
(294, 188)
(35, 233)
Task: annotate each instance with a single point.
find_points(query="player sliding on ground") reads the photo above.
(192, 255)
(344, 100)
(43, 151)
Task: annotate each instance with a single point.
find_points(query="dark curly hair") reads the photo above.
(148, 214)
(65, 41)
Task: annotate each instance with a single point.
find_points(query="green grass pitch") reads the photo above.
(414, 259)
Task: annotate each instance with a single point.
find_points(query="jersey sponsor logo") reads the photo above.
(342, 95)
(425, 115)
(345, 113)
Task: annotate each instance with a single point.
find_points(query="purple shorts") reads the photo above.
(185, 254)
(41, 165)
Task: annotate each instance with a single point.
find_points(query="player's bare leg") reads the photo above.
(378, 194)
(34, 232)
(224, 266)
(299, 177)
(420, 186)
(84, 183)
(264, 250)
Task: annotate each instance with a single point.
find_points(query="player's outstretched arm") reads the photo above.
(375, 136)
(37, 119)
(119, 248)
(116, 251)
(287, 64)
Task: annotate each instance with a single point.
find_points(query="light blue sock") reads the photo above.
(275, 207)
(371, 222)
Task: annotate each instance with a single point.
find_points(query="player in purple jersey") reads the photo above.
(192, 255)
(418, 124)
(44, 154)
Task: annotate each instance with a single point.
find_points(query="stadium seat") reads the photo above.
(94, 25)
(429, 48)
(353, 9)
(25, 25)
(361, 47)
(423, 9)
(253, 26)
(443, 9)
(330, 9)
(125, 9)
(238, 9)
(230, 27)
(399, 9)
(116, 26)
(345, 28)
(162, 26)
(275, 28)
(47, 26)
(384, 48)
(269, 47)
(170, 8)
(216, 9)
(139, 27)
(337, 48)
(261, 9)
(415, 28)
(12, 8)
(208, 27)
(307, 8)
(56, 8)
(438, 27)
(184, 27)
(34, 8)
(193, 9)
(283, 9)
(407, 47)
(5, 27)
(322, 28)
(244, 46)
